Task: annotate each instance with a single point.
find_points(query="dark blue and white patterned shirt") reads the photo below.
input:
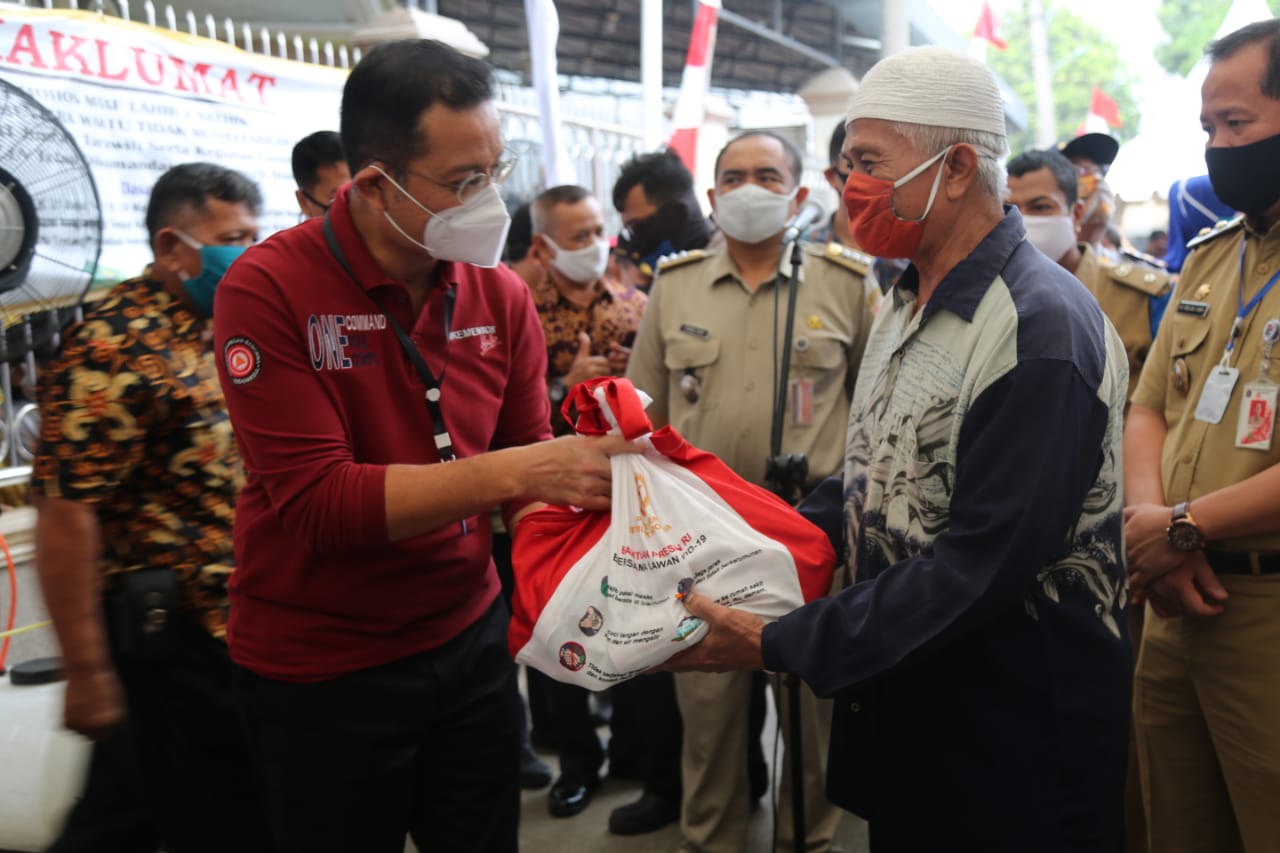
(981, 658)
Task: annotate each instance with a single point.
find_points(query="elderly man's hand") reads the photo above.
(732, 641)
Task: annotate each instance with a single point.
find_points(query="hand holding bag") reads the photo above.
(598, 595)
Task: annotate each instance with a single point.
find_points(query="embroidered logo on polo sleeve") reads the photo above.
(243, 360)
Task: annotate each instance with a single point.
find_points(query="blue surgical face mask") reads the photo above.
(214, 263)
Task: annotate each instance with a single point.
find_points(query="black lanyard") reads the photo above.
(444, 444)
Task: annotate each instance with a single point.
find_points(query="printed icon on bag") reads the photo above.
(647, 522)
(591, 622)
(573, 657)
(604, 586)
(685, 627)
(683, 588)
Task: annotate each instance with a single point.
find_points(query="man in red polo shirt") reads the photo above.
(358, 352)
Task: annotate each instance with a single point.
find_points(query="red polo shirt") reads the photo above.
(322, 398)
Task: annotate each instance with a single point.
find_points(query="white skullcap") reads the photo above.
(932, 86)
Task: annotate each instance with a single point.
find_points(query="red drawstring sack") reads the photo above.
(598, 594)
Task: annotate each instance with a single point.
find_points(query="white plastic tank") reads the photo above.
(42, 765)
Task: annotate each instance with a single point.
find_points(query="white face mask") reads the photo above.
(751, 213)
(1053, 235)
(474, 232)
(581, 266)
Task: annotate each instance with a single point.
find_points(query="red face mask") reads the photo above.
(873, 224)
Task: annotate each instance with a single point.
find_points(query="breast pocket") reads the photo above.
(819, 355)
(1188, 362)
(689, 377)
(692, 355)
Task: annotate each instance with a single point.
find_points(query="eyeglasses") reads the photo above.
(476, 181)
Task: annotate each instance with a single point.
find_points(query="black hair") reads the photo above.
(1261, 31)
(322, 148)
(835, 148)
(795, 162)
(1157, 234)
(192, 185)
(519, 234)
(563, 194)
(392, 86)
(661, 173)
(1064, 174)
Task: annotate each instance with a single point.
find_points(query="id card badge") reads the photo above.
(1257, 415)
(1216, 394)
(801, 402)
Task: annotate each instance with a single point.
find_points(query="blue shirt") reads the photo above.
(981, 661)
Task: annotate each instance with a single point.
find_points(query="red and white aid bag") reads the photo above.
(598, 594)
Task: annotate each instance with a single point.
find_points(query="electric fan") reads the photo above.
(50, 239)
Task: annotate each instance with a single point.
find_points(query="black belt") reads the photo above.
(1243, 562)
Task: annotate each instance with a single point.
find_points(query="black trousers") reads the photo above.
(541, 718)
(646, 719)
(426, 746)
(180, 769)
(580, 752)
(111, 815)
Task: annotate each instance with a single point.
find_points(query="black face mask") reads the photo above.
(676, 227)
(1246, 177)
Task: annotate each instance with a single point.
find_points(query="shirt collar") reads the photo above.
(1088, 262)
(723, 268)
(1254, 229)
(963, 288)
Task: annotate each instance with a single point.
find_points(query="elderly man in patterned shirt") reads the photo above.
(980, 663)
(136, 481)
(589, 321)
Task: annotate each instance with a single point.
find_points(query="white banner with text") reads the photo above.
(139, 100)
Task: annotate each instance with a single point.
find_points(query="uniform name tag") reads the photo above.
(1190, 306)
(696, 331)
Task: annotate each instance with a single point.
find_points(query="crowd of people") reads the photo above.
(279, 481)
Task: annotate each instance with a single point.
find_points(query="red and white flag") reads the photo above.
(984, 34)
(691, 106)
(1104, 113)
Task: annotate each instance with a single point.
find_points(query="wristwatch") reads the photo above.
(556, 390)
(1184, 533)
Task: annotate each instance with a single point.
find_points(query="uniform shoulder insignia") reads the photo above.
(842, 256)
(1223, 227)
(1143, 258)
(1151, 281)
(666, 263)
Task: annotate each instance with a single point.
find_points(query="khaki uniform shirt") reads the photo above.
(1124, 292)
(704, 323)
(1198, 457)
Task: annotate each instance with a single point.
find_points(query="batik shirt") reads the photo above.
(133, 424)
(612, 317)
(981, 658)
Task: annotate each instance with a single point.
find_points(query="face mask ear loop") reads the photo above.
(188, 239)
(403, 192)
(937, 180)
(423, 246)
(933, 193)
